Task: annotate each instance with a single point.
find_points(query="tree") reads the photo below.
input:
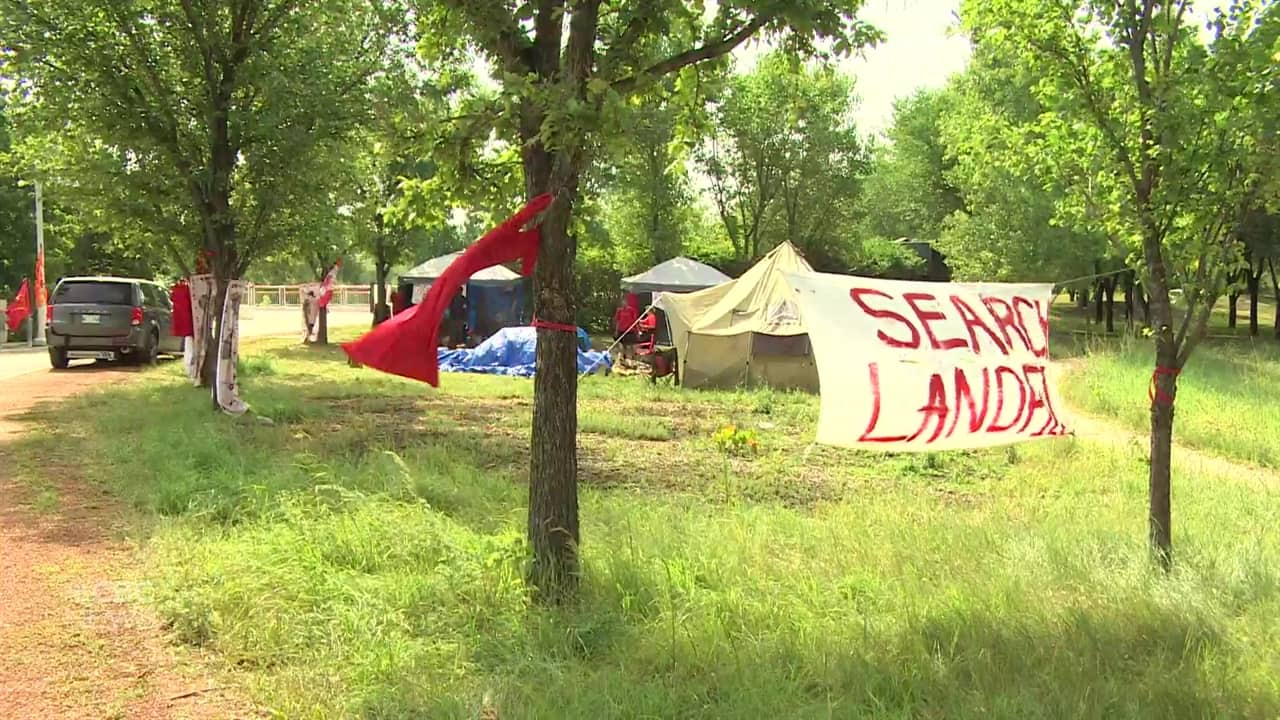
(908, 192)
(1177, 126)
(560, 63)
(203, 105)
(786, 161)
(1006, 226)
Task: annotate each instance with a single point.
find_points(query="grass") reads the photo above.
(362, 558)
(1228, 396)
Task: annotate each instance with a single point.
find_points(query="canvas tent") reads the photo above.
(495, 295)
(746, 331)
(679, 274)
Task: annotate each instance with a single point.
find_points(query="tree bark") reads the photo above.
(1232, 311)
(322, 327)
(1160, 507)
(553, 473)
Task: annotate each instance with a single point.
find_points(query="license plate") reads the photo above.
(91, 319)
(91, 355)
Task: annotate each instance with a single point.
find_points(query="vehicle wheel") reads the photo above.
(151, 352)
(58, 358)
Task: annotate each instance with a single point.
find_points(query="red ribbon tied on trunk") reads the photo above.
(1154, 393)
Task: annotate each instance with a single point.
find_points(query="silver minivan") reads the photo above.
(109, 318)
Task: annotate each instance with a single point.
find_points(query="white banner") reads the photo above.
(918, 366)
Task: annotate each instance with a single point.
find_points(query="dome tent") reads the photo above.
(679, 274)
(495, 295)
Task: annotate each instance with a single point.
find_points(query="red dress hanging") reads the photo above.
(183, 323)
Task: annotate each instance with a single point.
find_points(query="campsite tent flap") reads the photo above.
(679, 274)
(746, 331)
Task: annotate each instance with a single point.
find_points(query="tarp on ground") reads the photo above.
(679, 274)
(510, 351)
(746, 331)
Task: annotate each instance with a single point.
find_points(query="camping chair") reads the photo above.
(648, 330)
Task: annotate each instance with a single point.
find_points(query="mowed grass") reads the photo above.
(1228, 399)
(362, 557)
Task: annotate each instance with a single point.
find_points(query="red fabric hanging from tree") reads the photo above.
(406, 344)
(183, 323)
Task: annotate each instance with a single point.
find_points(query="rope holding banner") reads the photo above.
(1154, 393)
(547, 324)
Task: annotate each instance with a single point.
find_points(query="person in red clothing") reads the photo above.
(624, 320)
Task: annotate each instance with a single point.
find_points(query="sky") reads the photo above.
(919, 51)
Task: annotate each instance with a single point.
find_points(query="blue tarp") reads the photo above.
(510, 351)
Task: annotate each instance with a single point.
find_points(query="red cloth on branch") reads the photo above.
(183, 323)
(406, 344)
(20, 309)
(326, 287)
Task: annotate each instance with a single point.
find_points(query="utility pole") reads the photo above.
(40, 305)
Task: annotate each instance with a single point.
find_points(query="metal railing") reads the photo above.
(291, 295)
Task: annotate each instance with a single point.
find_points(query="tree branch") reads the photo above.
(507, 43)
(694, 55)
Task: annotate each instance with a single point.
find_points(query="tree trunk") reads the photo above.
(322, 326)
(381, 310)
(381, 268)
(1232, 311)
(1128, 300)
(1110, 288)
(553, 471)
(1098, 303)
(209, 372)
(1255, 286)
(209, 369)
(1275, 289)
(1082, 298)
(1160, 510)
(1164, 385)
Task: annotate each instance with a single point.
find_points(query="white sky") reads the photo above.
(920, 51)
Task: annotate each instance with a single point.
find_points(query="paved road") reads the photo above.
(255, 323)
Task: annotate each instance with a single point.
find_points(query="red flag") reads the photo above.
(20, 309)
(326, 287)
(405, 345)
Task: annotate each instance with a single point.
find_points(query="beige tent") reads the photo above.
(746, 331)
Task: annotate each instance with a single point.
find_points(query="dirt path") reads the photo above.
(1108, 432)
(74, 643)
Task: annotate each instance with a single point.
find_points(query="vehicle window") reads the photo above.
(161, 296)
(93, 292)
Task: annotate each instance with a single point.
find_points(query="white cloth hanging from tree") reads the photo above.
(203, 294)
(226, 388)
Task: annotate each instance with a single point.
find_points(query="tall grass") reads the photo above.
(363, 557)
(1228, 396)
